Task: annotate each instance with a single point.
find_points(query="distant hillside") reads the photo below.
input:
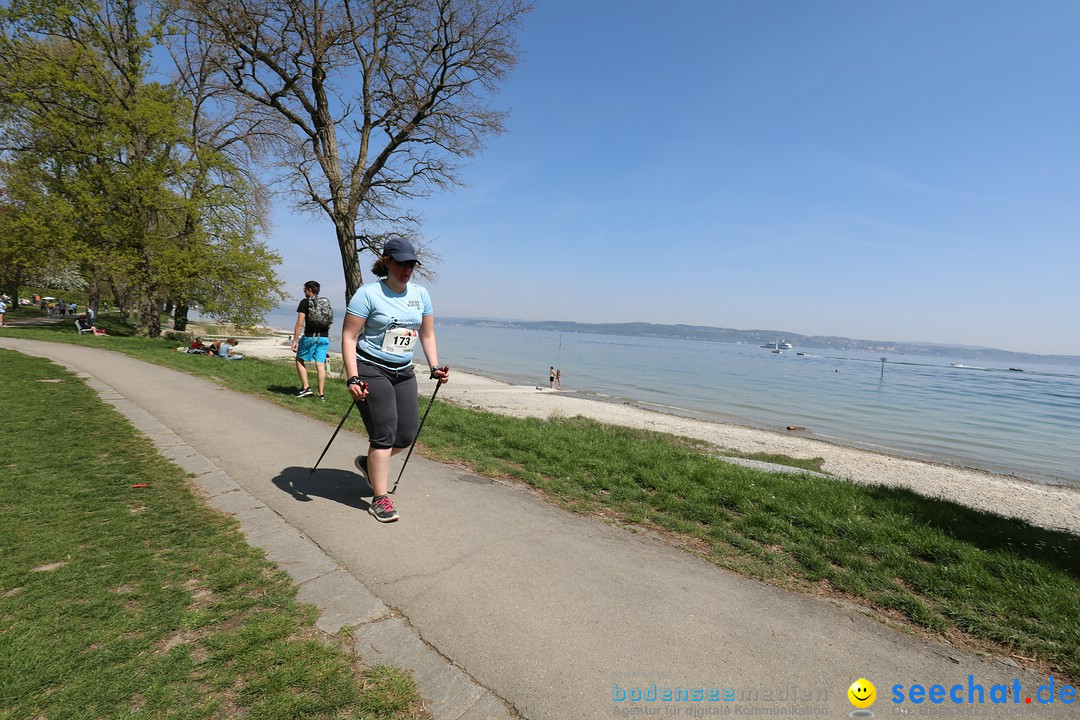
(760, 337)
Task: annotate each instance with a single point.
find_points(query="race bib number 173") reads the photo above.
(400, 341)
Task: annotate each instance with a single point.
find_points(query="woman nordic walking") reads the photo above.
(383, 323)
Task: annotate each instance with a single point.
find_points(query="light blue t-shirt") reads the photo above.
(385, 311)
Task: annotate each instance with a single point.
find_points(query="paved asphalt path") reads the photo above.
(556, 614)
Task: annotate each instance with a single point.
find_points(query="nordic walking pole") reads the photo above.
(430, 403)
(352, 404)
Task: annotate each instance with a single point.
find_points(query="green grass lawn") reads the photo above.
(144, 603)
(977, 578)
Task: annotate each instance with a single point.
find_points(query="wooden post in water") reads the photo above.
(882, 368)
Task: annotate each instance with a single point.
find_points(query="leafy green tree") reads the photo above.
(158, 211)
(75, 76)
(35, 240)
(37, 234)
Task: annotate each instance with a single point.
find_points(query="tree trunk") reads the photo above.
(11, 287)
(180, 315)
(149, 315)
(93, 294)
(121, 298)
(350, 259)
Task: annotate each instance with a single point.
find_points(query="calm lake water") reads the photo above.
(980, 415)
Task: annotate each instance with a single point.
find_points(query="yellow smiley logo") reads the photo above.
(862, 693)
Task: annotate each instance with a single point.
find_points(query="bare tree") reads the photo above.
(378, 100)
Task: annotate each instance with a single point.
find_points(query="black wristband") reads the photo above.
(354, 380)
(433, 369)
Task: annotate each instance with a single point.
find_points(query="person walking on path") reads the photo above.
(313, 319)
(383, 322)
(3, 309)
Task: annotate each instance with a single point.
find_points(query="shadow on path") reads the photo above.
(289, 390)
(341, 486)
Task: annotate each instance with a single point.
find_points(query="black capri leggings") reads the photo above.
(391, 412)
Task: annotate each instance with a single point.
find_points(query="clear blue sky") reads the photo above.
(883, 170)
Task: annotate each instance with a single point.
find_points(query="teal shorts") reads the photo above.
(313, 348)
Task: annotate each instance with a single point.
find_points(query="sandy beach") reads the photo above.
(1049, 506)
(274, 347)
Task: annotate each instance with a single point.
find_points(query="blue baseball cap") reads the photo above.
(400, 250)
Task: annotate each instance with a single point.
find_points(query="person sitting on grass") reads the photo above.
(226, 350)
(198, 348)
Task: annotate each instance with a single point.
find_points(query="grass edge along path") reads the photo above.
(974, 578)
(118, 601)
(980, 580)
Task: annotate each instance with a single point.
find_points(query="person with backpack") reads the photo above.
(311, 337)
(384, 323)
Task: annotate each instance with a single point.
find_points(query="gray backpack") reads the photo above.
(319, 312)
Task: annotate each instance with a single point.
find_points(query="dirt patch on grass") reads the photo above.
(180, 637)
(202, 597)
